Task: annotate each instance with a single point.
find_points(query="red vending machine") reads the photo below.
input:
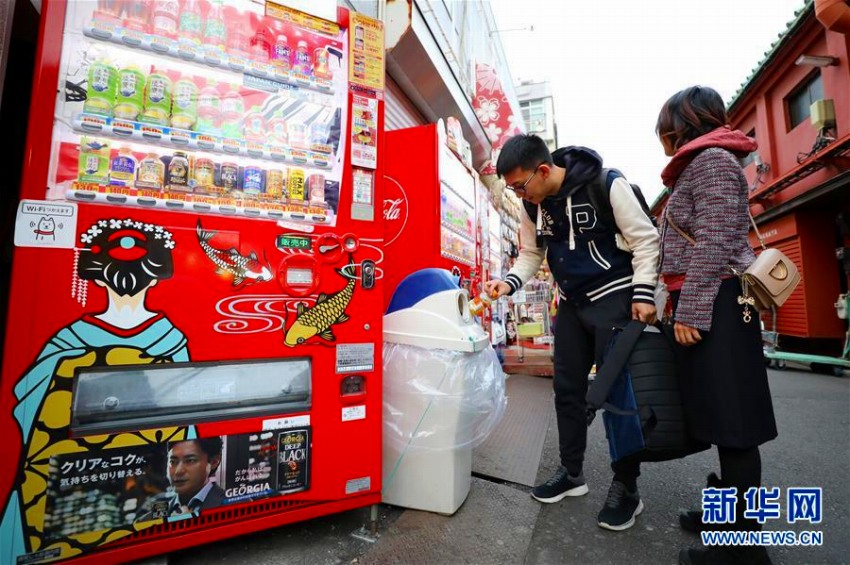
(429, 208)
(194, 334)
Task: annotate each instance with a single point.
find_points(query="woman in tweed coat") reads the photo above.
(725, 389)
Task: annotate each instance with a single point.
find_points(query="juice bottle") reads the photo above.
(100, 92)
(478, 304)
(302, 63)
(209, 109)
(281, 55)
(232, 110)
(215, 30)
(321, 69)
(130, 96)
(190, 21)
(184, 112)
(254, 126)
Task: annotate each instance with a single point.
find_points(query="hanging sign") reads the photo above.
(366, 64)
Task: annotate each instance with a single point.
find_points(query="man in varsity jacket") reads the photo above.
(605, 271)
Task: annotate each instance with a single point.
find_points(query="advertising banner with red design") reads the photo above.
(494, 111)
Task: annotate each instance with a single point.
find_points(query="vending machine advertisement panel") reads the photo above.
(194, 336)
(429, 208)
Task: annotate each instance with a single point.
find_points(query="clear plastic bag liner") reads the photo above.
(436, 400)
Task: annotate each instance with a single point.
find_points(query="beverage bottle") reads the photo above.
(237, 37)
(101, 88)
(137, 16)
(321, 69)
(178, 172)
(232, 110)
(122, 168)
(481, 302)
(302, 63)
(260, 46)
(209, 109)
(281, 55)
(130, 95)
(184, 111)
(166, 14)
(277, 129)
(254, 126)
(215, 30)
(190, 21)
(157, 101)
(150, 173)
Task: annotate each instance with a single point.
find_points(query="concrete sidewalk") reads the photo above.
(501, 523)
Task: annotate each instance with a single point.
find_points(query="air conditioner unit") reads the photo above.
(822, 113)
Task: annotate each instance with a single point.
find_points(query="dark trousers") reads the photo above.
(581, 335)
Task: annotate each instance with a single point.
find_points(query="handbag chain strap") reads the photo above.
(745, 299)
(692, 241)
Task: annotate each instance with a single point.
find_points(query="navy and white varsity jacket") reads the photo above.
(588, 259)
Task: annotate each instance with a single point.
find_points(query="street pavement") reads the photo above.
(500, 523)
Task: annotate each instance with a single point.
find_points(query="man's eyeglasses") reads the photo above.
(521, 188)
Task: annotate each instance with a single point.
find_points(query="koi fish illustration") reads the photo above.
(231, 261)
(329, 310)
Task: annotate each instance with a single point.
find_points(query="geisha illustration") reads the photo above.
(127, 259)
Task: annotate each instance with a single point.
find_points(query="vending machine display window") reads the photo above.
(112, 399)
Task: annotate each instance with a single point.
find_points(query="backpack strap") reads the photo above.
(615, 360)
(599, 193)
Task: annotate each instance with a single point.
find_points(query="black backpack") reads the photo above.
(638, 386)
(599, 194)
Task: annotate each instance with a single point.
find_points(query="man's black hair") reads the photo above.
(525, 151)
(212, 446)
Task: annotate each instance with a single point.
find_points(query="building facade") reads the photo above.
(538, 110)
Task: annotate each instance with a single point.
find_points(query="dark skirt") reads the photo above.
(724, 380)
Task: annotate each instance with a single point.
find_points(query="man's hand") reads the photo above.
(643, 312)
(686, 335)
(497, 288)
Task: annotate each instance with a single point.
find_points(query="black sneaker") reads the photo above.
(561, 485)
(620, 508)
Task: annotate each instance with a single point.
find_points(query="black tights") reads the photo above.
(740, 468)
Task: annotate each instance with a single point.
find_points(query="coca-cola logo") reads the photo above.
(395, 210)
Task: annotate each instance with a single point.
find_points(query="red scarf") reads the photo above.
(724, 137)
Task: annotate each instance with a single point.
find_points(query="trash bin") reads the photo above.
(444, 391)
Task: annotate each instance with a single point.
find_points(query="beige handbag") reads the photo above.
(769, 281)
